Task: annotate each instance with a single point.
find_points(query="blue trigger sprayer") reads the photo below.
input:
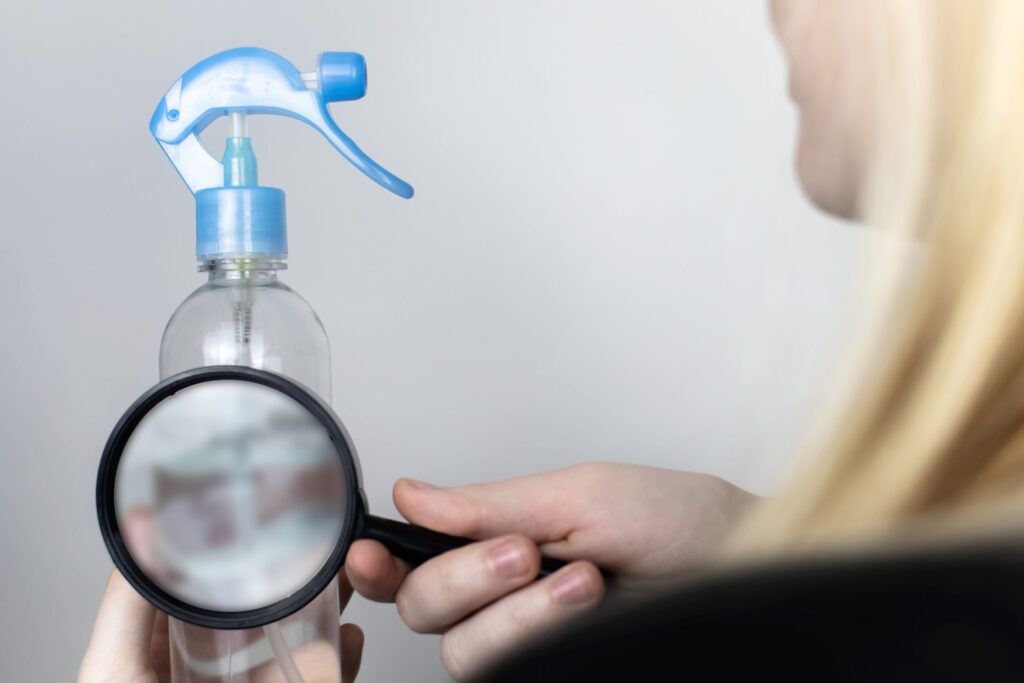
(243, 314)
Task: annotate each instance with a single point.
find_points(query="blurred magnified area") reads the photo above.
(230, 495)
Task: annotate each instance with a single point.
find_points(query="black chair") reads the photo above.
(950, 614)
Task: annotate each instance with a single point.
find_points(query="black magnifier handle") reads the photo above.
(416, 544)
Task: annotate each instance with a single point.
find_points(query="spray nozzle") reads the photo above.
(257, 81)
(234, 216)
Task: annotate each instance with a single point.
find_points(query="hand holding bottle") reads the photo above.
(130, 642)
(646, 525)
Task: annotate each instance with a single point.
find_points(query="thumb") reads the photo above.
(121, 636)
(544, 507)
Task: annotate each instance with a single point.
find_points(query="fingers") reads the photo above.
(316, 662)
(373, 571)
(119, 646)
(491, 632)
(351, 636)
(451, 586)
(543, 507)
(160, 645)
(352, 640)
(344, 590)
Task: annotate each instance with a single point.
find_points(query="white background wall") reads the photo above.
(607, 256)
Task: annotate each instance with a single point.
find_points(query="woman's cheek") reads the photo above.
(825, 175)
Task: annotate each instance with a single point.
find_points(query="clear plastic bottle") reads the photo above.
(244, 315)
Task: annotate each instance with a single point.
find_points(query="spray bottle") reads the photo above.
(244, 314)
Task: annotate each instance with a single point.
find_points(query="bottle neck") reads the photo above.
(255, 269)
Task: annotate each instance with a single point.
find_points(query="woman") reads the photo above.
(911, 119)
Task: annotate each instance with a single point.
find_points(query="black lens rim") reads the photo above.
(152, 592)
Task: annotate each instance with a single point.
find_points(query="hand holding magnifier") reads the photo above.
(228, 497)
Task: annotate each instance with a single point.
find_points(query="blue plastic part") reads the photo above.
(254, 81)
(240, 221)
(240, 168)
(342, 76)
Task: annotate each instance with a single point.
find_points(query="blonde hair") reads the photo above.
(934, 431)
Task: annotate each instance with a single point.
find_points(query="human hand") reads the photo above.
(646, 525)
(130, 643)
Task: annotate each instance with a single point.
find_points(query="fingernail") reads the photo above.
(573, 587)
(508, 560)
(421, 485)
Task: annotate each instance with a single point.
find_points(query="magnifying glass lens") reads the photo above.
(230, 495)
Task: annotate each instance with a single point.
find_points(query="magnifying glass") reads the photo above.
(229, 496)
